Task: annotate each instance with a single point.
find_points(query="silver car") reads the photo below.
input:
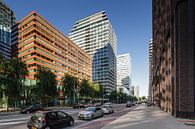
(90, 113)
(107, 109)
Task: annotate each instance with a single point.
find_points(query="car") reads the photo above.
(79, 105)
(90, 113)
(108, 103)
(32, 108)
(107, 109)
(97, 104)
(129, 104)
(49, 120)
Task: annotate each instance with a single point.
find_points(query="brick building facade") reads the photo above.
(174, 56)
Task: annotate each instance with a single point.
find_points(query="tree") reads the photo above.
(113, 96)
(96, 90)
(2, 75)
(13, 75)
(46, 87)
(143, 98)
(85, 89)
(70, 86)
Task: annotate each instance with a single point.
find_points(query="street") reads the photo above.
(136, 117)
(18, 121)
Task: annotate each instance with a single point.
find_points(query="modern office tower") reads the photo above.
(96, 36)
(39, 43)
(122, 89)
(150, 93)
(136, 91)
(124, 71)
(174, 56)
(7, 20)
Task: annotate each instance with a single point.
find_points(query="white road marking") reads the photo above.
(12, 123)
(13, 119)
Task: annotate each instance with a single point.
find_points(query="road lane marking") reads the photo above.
(12, 123)
(13, 119)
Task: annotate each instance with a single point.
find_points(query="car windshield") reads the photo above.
(105, 106)
(90, 109)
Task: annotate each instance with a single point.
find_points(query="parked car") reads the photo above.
(129, 104)
(32, 108)
(49, 120)
(108, 103)
(90, 113)
(107, 109)
(79, 105)
(97, 104)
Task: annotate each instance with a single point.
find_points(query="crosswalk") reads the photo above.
(13, 119)
(23, 118)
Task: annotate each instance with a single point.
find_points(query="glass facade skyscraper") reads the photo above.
(7, 20)
(124, 71)
(96, 36)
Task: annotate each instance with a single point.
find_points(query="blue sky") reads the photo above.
(131, 20)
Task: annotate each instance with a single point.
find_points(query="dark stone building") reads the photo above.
(174, 56)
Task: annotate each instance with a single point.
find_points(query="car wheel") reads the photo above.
(27, 112)
(102, 114)
(47, 127)
(92, 117)
(71, 122)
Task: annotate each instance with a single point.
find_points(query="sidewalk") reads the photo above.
(144, 117)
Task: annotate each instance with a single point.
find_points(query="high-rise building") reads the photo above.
(174, 56)
(124, 71)
(7, 20)
(150, 93)
(136, 91)
(96, 36)
(39, 43)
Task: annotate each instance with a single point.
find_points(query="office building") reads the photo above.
(7, 20)
(122, 89)
(174, 56)
(124, 71)
(39, 43)
(150, 93)
(96, 36)
(136, 91)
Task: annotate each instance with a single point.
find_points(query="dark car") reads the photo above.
(79, 105)
(32, 108)
(49, 120)
(129, 104)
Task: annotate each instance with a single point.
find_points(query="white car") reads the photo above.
(107, 109)
(90, 113)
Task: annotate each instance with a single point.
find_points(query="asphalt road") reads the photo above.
(18, 121)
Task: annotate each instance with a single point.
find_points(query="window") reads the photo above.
(52, 116)
(61, 115)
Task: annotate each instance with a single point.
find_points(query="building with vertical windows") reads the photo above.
(150, 91)
(136, 91)
(173, 82)
(7, 20)
(124, 71)
(96, 36)
(39, 43)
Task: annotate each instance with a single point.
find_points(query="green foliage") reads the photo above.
(85, 89)
(119, 97)
(89, 89)
(143, 98)
(70, 85)
(12, 74)
(46, 85)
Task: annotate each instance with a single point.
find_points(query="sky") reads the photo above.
(131, 20)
